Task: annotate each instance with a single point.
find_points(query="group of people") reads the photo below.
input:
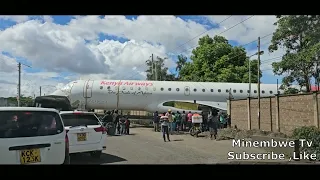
(121, 123)
(176, 121)
(170, 121)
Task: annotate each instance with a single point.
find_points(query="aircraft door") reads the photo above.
(87, 89)
(186, 90)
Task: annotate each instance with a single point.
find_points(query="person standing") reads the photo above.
(165, 127)
(116, 117)
(178, 121)
(223, 120)
(183, 121)
(204, 121)
(122, 123)
(127, 125)
(107, 118)
(174, 124)
(213, 124)
(169, 116)
(189, 121)
(156, 121)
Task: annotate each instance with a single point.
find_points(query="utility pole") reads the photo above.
(249, 77)
(259, 83)
(40, 90)
(19, 84)
(152, 69)
(156, 70)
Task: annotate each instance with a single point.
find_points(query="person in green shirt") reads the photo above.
(178, 121)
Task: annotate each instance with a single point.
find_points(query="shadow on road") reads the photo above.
(131, 134)
(178, 140)
(87, 159)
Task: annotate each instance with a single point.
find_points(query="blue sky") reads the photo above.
(63, 20)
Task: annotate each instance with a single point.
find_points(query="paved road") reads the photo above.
(147, 147)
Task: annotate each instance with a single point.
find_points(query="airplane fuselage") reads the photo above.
(150, 95)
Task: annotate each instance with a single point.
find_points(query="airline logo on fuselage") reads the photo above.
(125, 83)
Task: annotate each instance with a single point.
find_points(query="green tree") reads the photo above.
(182, 60)
(158, 71)
(24, 101)
(299, 35)
(215, 60)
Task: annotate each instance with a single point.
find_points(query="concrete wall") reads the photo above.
(279, 114)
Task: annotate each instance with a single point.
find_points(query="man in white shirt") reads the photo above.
(165, 127)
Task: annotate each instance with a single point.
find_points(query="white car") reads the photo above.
(31, 135)
(85, 131)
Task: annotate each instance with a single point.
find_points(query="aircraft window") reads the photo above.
(101, 87)
(139, 88)
(177, 89)
(146, 88)
(234, 91)
(123, 88)
(241, 91)
(108, 87)
(263, 91)
(186, 89)
(203, 90)
(248, 91)
(219, 90)
(154, 88)
(131, 88)
(255, 91)
(270, 92)
(169, 89)
(161, 89)
(194, 90)
(227, 90)
(211, 90)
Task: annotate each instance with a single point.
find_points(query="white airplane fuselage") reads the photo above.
(150, 95)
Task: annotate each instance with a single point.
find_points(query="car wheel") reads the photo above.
(96, 154)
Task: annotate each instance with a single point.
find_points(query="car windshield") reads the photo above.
(15, 124)
(78, 119)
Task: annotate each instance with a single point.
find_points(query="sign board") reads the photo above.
(197, 118)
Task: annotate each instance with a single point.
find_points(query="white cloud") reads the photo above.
(7, 64)
(30, 83)
(15, 18)
(76, 47)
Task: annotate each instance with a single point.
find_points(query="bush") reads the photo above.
(311, 134)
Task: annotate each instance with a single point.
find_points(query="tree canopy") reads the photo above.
(215, 60)
(299, 36)
(24, 101)
(156, 70)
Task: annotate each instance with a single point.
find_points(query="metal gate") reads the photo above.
(186, 90)
(87, 89)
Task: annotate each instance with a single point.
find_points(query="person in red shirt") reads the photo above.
(189, 117)
(127, 123)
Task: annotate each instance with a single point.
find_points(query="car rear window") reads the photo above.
(16, 124)
(79, 119)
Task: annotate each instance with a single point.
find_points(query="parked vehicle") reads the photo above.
(30, 135)
(85, 131)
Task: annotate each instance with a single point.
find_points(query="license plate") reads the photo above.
(82, 136)
(30, 156)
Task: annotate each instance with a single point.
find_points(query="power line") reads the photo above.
(218, 34)
(265, 36)
(202, 33)
(223, 31)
